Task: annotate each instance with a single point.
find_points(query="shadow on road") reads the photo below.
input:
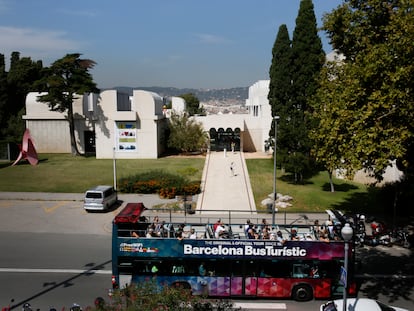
(90, 270)
(386, 271)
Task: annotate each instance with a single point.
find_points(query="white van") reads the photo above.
(100, 198)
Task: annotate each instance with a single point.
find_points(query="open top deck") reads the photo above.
(135, 220)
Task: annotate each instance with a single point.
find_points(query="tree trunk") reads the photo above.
(331, 181)
(74, 145)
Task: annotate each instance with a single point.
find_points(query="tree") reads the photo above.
(65, 79)
(292, 83)
(3, 93)
(280, 90)
(20, 78)
(373, 87)
(193, 104)
(186, 134)
(19, 81)
(330, 123)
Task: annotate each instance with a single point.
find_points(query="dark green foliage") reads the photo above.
(295, 67)
(280, 86)
(3, 92)
(64, 80)
(308, 55)
(14, 86)
(193, 104)
(148, 296)
(308, 59)
(156, 181)
(372, 110)
(186, 134)
(15, 127)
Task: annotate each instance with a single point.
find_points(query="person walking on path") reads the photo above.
(232, 168)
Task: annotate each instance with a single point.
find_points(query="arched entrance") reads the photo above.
(221, 139)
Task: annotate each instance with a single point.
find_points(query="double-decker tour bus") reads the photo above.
(230, 265)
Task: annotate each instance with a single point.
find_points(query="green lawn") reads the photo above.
(313, 196)
(66, 173)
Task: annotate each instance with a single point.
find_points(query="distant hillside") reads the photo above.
(237, 94)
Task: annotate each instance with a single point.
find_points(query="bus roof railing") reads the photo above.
(134, 212)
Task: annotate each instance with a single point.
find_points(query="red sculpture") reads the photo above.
(27, 150)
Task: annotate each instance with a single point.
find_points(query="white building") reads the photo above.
(129, 127)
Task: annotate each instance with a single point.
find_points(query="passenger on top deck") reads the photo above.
(221, 232)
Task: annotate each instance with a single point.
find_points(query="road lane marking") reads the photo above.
(259, 306)
(5, 204)
(74, 271)
(54, 207)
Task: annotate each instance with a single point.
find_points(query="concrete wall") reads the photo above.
(50, 129)
(50, 136)
(137, 129)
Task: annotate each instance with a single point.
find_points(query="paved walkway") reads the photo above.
(223, 188)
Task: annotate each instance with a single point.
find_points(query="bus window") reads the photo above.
(251, 268)
(219, 269)
(237, 268)
(141, 267)
(300, 270)
(266, 270)
(280, 269)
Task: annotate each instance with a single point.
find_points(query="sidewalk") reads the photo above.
(149, 200)
(223, 188)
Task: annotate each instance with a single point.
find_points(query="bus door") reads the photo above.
(244, 278)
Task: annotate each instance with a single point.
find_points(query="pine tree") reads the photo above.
(308, 58)
(3, 93)
(66, 78)
(20, 79)
(280, 89)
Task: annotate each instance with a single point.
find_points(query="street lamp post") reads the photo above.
(347, 234)
(274, 173)
(114, 167)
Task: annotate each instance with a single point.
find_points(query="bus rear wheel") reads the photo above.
(302, 292)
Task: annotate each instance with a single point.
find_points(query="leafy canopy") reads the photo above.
(64, 80)
(186, 134)
(192, 104)
(365, 105)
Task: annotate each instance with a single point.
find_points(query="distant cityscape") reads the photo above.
(214, 101)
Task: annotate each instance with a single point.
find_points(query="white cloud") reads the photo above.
(35, 43)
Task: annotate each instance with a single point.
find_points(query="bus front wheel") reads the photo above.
(302, 292)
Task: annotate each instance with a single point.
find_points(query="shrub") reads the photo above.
(191, 188)
(148, 296)
(167, 185)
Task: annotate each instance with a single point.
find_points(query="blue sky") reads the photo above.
(178, 43)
